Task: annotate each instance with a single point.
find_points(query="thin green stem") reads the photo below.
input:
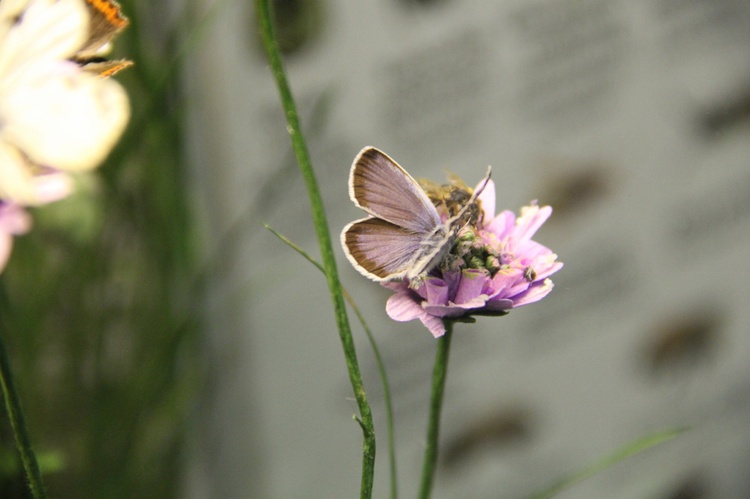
(386, 396)
(18, 424)
(378, 360)
(628, 450)
(324, 239)
(439, 374)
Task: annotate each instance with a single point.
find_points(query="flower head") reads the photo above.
(493, 267)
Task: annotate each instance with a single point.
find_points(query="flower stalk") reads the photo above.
(18, 424)
(378, 361)
(320, 222)
(439, 375)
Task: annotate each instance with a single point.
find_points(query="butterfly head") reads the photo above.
(453, 199)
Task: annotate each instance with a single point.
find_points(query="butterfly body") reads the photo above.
(404, 236)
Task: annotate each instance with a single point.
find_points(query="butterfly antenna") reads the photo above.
(475, 195)
(479, 189)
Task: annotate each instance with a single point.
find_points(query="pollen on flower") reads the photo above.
(451, 198)
(492, 263)
(492, 267)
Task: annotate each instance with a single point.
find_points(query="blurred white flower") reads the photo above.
(54, 116)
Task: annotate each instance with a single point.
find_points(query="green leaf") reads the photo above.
(621, 454)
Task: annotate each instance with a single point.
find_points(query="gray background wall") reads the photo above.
(629, 117)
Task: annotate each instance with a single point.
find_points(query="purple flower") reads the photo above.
(494, 266)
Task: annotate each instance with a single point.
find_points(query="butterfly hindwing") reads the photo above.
(379, 249)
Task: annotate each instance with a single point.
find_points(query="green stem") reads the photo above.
(386, 397)
(18, 423)
(439, 374)
(326, 249)
(630, 449)
(376, 352)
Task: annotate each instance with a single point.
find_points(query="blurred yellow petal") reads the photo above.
(19, 185)
(65, 118)
(47, 30)
(15, 176)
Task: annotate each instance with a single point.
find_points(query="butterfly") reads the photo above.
(106, 21)
(403, 237)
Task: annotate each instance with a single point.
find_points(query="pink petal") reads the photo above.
(533, 294)
(531, 249)
(435, 325)
(502, 225)
(506, 283)
(437, 291)
(453, 280)
(487, 198)
(547, 269)
(471, 286)
(532, 217)
(402, 307)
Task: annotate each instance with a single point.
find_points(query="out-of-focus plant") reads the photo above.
(98, 303)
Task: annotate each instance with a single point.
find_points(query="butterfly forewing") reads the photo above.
(379, 249)
(382, 188)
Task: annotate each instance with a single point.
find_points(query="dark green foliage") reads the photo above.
(100, 310)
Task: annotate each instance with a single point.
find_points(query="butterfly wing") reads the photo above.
(378, 185)
(105, 68)
(106, 22)
(404, 236)
(380, 250)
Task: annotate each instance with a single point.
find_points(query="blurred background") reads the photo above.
(166, 345)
